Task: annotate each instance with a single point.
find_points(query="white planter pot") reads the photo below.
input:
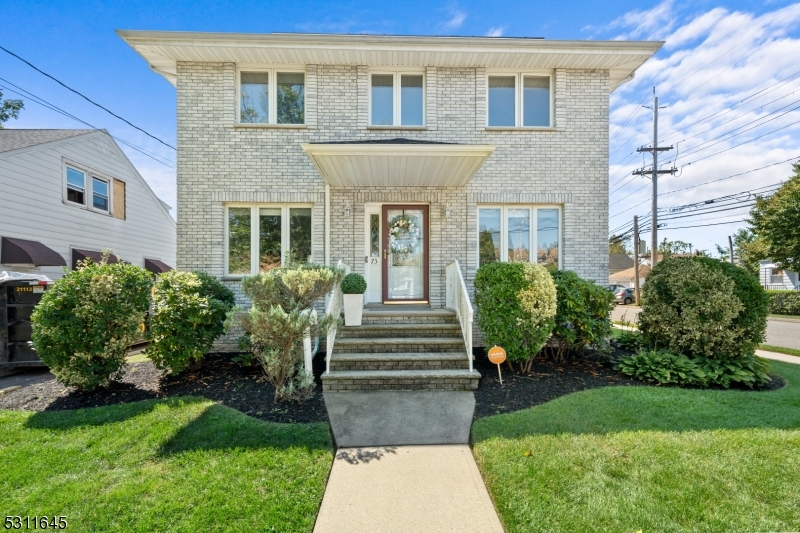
(353, 307)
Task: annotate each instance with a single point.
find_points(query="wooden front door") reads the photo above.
(405, 253)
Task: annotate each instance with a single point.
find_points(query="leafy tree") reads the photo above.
(618, 246)
(776, 221)
(9, 109)
(748, 249)
(670, 248)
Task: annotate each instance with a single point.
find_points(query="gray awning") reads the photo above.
(24, 252)
(96, 257)
(155, 266)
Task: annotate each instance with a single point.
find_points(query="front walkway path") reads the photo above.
(793, 359)
(406, 489)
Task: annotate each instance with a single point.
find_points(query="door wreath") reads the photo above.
(403, 234)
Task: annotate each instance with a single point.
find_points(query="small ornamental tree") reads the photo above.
(516, 303)
(582, 312)
(189, 311)
(85, 322)
(278, 320)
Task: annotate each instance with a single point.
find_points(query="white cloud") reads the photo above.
(719, 74)
(457, 18)
(495, 31)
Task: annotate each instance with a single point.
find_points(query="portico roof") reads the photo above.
(164, 49)
(397, 162)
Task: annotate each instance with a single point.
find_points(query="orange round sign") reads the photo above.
(497, 355)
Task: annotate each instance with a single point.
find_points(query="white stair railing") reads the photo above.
(333, 308)
(457, 299)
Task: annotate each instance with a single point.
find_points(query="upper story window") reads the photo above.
(271, 96)
(397, 99)
(76, 186)
(99, 194)
(86, 189)
(519, 100)
(511, 232)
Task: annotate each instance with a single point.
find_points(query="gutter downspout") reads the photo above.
(327, 224)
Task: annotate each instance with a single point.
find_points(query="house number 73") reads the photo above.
(371, 261)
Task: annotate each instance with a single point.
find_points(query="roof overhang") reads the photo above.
(24, 252)
(164, 49)
(397, 165)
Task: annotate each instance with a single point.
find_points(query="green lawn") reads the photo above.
(779, 349)
(647, 458)
(164, 465)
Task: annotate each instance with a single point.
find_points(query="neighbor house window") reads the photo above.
(510, 233)
(777, 276)
(86, 189)
(397, 99)
(519, 100)
(76, 186)
(99, 194)
(272, 97)
(259, 237)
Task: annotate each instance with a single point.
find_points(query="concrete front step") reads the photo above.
(408, 316)
(400, 361)
(360, 380)
(398, 344)
(400, 330)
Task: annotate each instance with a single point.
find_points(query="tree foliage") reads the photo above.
(9, 109)
(85, 322)
(776, 222)
(669, 248)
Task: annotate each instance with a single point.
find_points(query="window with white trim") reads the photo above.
(76, 186)
(258, 237)
(397, 99)
(511, 232)
(86, 188)
(100, 194)
(519, 100)
(272, 96)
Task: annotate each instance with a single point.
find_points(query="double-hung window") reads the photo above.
(519, 100)
(259, 237)
(99, 194)
(272, 96)
(519, 233)
(88, 190)
(397, 99)
(76, 186)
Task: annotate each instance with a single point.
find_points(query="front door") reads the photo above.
(405, 253)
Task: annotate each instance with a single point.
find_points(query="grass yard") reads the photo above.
(183, 464)
(648, 458)
(779, 349)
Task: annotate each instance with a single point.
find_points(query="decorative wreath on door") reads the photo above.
(403, 234)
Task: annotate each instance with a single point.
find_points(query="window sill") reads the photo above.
(411, 128)
(270, 126)
(521, 128)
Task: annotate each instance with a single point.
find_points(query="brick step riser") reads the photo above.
(397, 348)
(409, 320)
(349, 385)
(356, 332)
(400, 365)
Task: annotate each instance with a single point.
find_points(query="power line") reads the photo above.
(705, 225)
(34, 67)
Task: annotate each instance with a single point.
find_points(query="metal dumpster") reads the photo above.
(18, 298)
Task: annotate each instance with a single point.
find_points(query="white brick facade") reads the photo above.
(219, 162)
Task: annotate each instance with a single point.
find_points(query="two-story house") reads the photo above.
(396, 155)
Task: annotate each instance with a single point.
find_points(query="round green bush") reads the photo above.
(582, 313)
(354, 284)
(86, 320)
(516, 303)
(691, 307)
(189, 312)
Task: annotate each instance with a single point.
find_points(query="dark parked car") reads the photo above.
(624, 296)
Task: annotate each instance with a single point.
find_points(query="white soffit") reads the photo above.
(163, 50)
(397, 165)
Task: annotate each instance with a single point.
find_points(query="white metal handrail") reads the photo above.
(333, 309)
(457, 299)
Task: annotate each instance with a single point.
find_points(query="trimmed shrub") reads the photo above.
(516, 303)
(189, 312)
(278, 320)
(582, 312)
(691, 308)
(86, 320)
(354, 284)
(666, 368)
(784, 302)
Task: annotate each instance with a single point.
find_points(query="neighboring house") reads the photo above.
(618, 263)
(627, 277)
(67, 195)
(774, 278)
(395, 154)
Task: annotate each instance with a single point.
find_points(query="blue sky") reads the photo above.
(717, 57)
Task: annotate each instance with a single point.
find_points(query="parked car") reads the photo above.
(624, 296)
(614, 288)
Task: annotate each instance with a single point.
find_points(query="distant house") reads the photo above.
(618, 263)
(774, 278)
(68, 195)
(626, 277)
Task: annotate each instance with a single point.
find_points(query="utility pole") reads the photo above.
(730, 247)
(654, 177)
(636, 258)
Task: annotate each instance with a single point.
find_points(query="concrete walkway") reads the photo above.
(406, 489)
(793, 359)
